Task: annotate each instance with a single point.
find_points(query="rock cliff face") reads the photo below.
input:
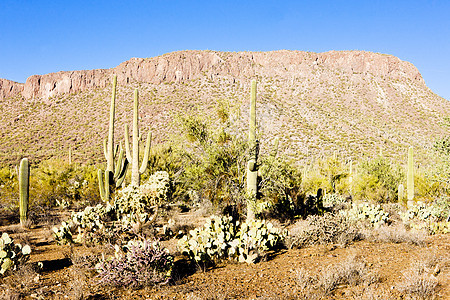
(352, 102)
(188, 65)
(10, 88)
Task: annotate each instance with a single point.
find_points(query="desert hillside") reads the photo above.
(352, 102)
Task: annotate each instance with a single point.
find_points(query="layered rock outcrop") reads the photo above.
(188, 65)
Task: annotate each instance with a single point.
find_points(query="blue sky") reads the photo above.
(41, 36)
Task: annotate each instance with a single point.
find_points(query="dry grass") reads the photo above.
(353, 271)
(20, 283)
(398, 234)
(420, 280)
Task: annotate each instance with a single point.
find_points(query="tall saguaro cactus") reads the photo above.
(134, 157)
(24, 190)
(115, 170)
(410, 177)
(252, 165)
(350, 176)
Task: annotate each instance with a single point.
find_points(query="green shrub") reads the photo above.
(9, 191)
(280, 188)
(378, 180)
(55, 181)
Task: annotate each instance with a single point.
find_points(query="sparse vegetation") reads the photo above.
(327, 194)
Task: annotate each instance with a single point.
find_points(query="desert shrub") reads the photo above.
(225, 238)
(335, 170)
(280, 188)
(215, 161)
(372, 214)
(328, 174)
(352, 271)
(325, 229)
(12, 255)
(136, 265)
(8, 187)
(398, 234)
(378, 180)
(312, 180)
(55, 181)
(419, 280)
(442, 146)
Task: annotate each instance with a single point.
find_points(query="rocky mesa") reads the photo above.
(353, 102)
(188, 65)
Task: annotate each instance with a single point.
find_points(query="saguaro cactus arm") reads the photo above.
(115, 171)
(134, 156)
(110, 145)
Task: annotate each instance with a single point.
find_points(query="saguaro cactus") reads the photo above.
(115, 170)
(350, 176)
(252, 165)
(410, 177)
(24, 188)
(401, 193)
(134, 158)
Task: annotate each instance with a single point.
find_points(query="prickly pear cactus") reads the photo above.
(11, 254)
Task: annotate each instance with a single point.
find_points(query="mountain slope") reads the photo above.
(348, 101)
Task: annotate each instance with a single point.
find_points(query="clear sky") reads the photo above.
(43, 36)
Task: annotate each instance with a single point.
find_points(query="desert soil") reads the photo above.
(274, 278)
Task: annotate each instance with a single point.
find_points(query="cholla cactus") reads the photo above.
(133, 202)
(11, 254)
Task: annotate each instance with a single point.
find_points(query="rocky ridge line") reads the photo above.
(188, 65)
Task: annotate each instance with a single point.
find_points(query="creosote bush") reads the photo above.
(378, 180)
